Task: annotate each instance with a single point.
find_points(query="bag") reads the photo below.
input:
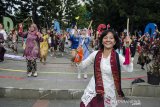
(138, 80)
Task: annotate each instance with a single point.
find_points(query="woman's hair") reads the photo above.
(104, 33)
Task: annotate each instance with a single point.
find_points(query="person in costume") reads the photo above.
(3, 32)
(55, 42)
(44, 47)
(74, 38)
(122, 47)
(84, 42)
(14, 41)
(102, 88)
(67, 42)
(145, 50)
(133, 46)
(20, 29)
(49, 40)
(2, 49)
(3, 38)
(32, 49)
(155, 49)
(62, 43)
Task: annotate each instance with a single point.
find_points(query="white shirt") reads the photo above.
(2, 31)
(107, 77)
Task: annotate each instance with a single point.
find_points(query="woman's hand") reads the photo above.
(39, 34)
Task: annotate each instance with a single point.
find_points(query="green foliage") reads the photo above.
(114, 12)
(84, 16)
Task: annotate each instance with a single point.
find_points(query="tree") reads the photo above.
(67, 12)
(49, 10)
(6, 8)
(84, 16)
(116, 13)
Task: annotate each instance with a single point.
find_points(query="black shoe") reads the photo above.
(142, 68)
(1, 60)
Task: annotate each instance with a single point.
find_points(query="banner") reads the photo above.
(8, 24)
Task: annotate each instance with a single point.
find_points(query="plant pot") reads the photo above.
(153, 79)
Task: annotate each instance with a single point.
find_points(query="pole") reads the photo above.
(128, 27)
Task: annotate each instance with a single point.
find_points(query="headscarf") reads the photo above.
(35, 29)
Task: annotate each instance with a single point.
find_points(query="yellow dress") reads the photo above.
(44, 46)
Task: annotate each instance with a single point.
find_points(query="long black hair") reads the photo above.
(117, 39)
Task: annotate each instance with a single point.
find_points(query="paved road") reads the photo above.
(57, 74)
(134, 102)
(54, 75)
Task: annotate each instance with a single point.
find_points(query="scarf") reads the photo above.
(116, 72)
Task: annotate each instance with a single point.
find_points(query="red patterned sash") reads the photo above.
(115, 67)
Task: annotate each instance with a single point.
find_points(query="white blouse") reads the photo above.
(108, 82)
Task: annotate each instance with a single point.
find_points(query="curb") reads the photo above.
(20, 93)
(145, 90)
(137, 90)
(11, 92)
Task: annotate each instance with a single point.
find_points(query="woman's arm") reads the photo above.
(88, 61)
(23, 34)
(39, 35)
(127, 68)
(141, 38)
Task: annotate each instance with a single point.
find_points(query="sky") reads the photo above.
(81, 2)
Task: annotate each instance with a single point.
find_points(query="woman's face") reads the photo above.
(48, 31)
(146, 39)
(32, 28)
(133, 37)
(108, 41)
(122, 36)
(83, 32)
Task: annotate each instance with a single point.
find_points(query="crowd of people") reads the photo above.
(37, 44)
(50, 41)
(112, 53)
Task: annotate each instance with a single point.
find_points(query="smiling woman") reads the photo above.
(100, 91)
(109, 36)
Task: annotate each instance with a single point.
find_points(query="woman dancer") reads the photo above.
(32, 50)
(44, 47)
(2, 49)
(100, 91)
(74, 38)
(84, 42)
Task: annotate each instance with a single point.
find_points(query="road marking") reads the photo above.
(13, 70)
(41, 103)
(132, 78)
(11, 77)
(68, 73)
